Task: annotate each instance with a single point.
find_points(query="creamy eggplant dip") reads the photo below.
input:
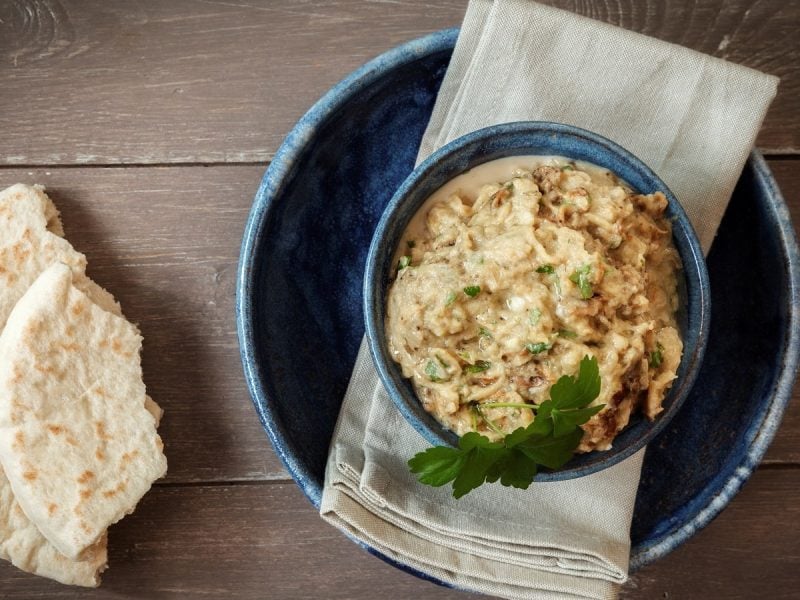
(513, 272)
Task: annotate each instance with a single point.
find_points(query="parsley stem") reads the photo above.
(508, 405)
(492, 425)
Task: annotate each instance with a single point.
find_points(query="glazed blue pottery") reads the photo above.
(299, 298)
(544, 139)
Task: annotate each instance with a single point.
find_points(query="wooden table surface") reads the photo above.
(151, 123)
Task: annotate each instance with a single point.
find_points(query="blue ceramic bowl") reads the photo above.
(534, 138)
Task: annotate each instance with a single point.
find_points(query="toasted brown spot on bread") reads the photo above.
(100, 428)
(85, 477)
(86, 494)
(128, 456)
(33, 328)
(113, 492)
(99, 454)
(19, 252)
(85, 526)
(159, 443)
(51, 509)
(100, 391)
(70, 347)
(43, 368)
(30, 475)
(78, 308)
(116, 346)
(19, 439)
(55, 429)
(103, 343)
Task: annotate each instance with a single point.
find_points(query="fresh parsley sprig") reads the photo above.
(550, 441)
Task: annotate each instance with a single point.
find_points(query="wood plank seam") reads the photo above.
(769, 154)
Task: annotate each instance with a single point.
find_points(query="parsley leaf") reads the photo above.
(476, 468)
(403, 262)
(479, 367)
(472, 290)
(483, 332)
(534, 315)
(538, 347)
(571, 392)
(656, 356)
(517, 471)
(438, 465)
(549, 441)
(550, 451)
(566, 333)
(570, 396)
(432, 371)
(565, 421)
(451, 297)
(581, 278)
(546, 269)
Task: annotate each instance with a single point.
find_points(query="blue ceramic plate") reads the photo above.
(299, 305)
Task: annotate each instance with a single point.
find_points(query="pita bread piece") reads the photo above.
(77, 442)
(27, 549)
(31, 239)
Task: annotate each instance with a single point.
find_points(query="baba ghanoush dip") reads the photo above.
(513, 272)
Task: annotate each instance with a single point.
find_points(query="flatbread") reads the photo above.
(27, 549)
(31, 239)
(77, 442)
(30, 226)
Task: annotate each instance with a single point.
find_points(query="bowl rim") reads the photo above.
(374, 293)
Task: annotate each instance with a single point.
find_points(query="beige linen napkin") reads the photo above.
(690, 117)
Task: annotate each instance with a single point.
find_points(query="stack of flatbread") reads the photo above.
(78, 440)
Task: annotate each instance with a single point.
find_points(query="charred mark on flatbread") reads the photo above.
(85, 477)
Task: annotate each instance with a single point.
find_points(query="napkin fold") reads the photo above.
(693, 119)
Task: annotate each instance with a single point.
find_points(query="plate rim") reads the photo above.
(781, 392)
(269, 188)
(272, 184)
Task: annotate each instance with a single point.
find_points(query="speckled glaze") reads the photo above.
(534, 138)
(299, 300)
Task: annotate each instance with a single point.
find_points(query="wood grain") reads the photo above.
(266, 541)
(203, 81)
